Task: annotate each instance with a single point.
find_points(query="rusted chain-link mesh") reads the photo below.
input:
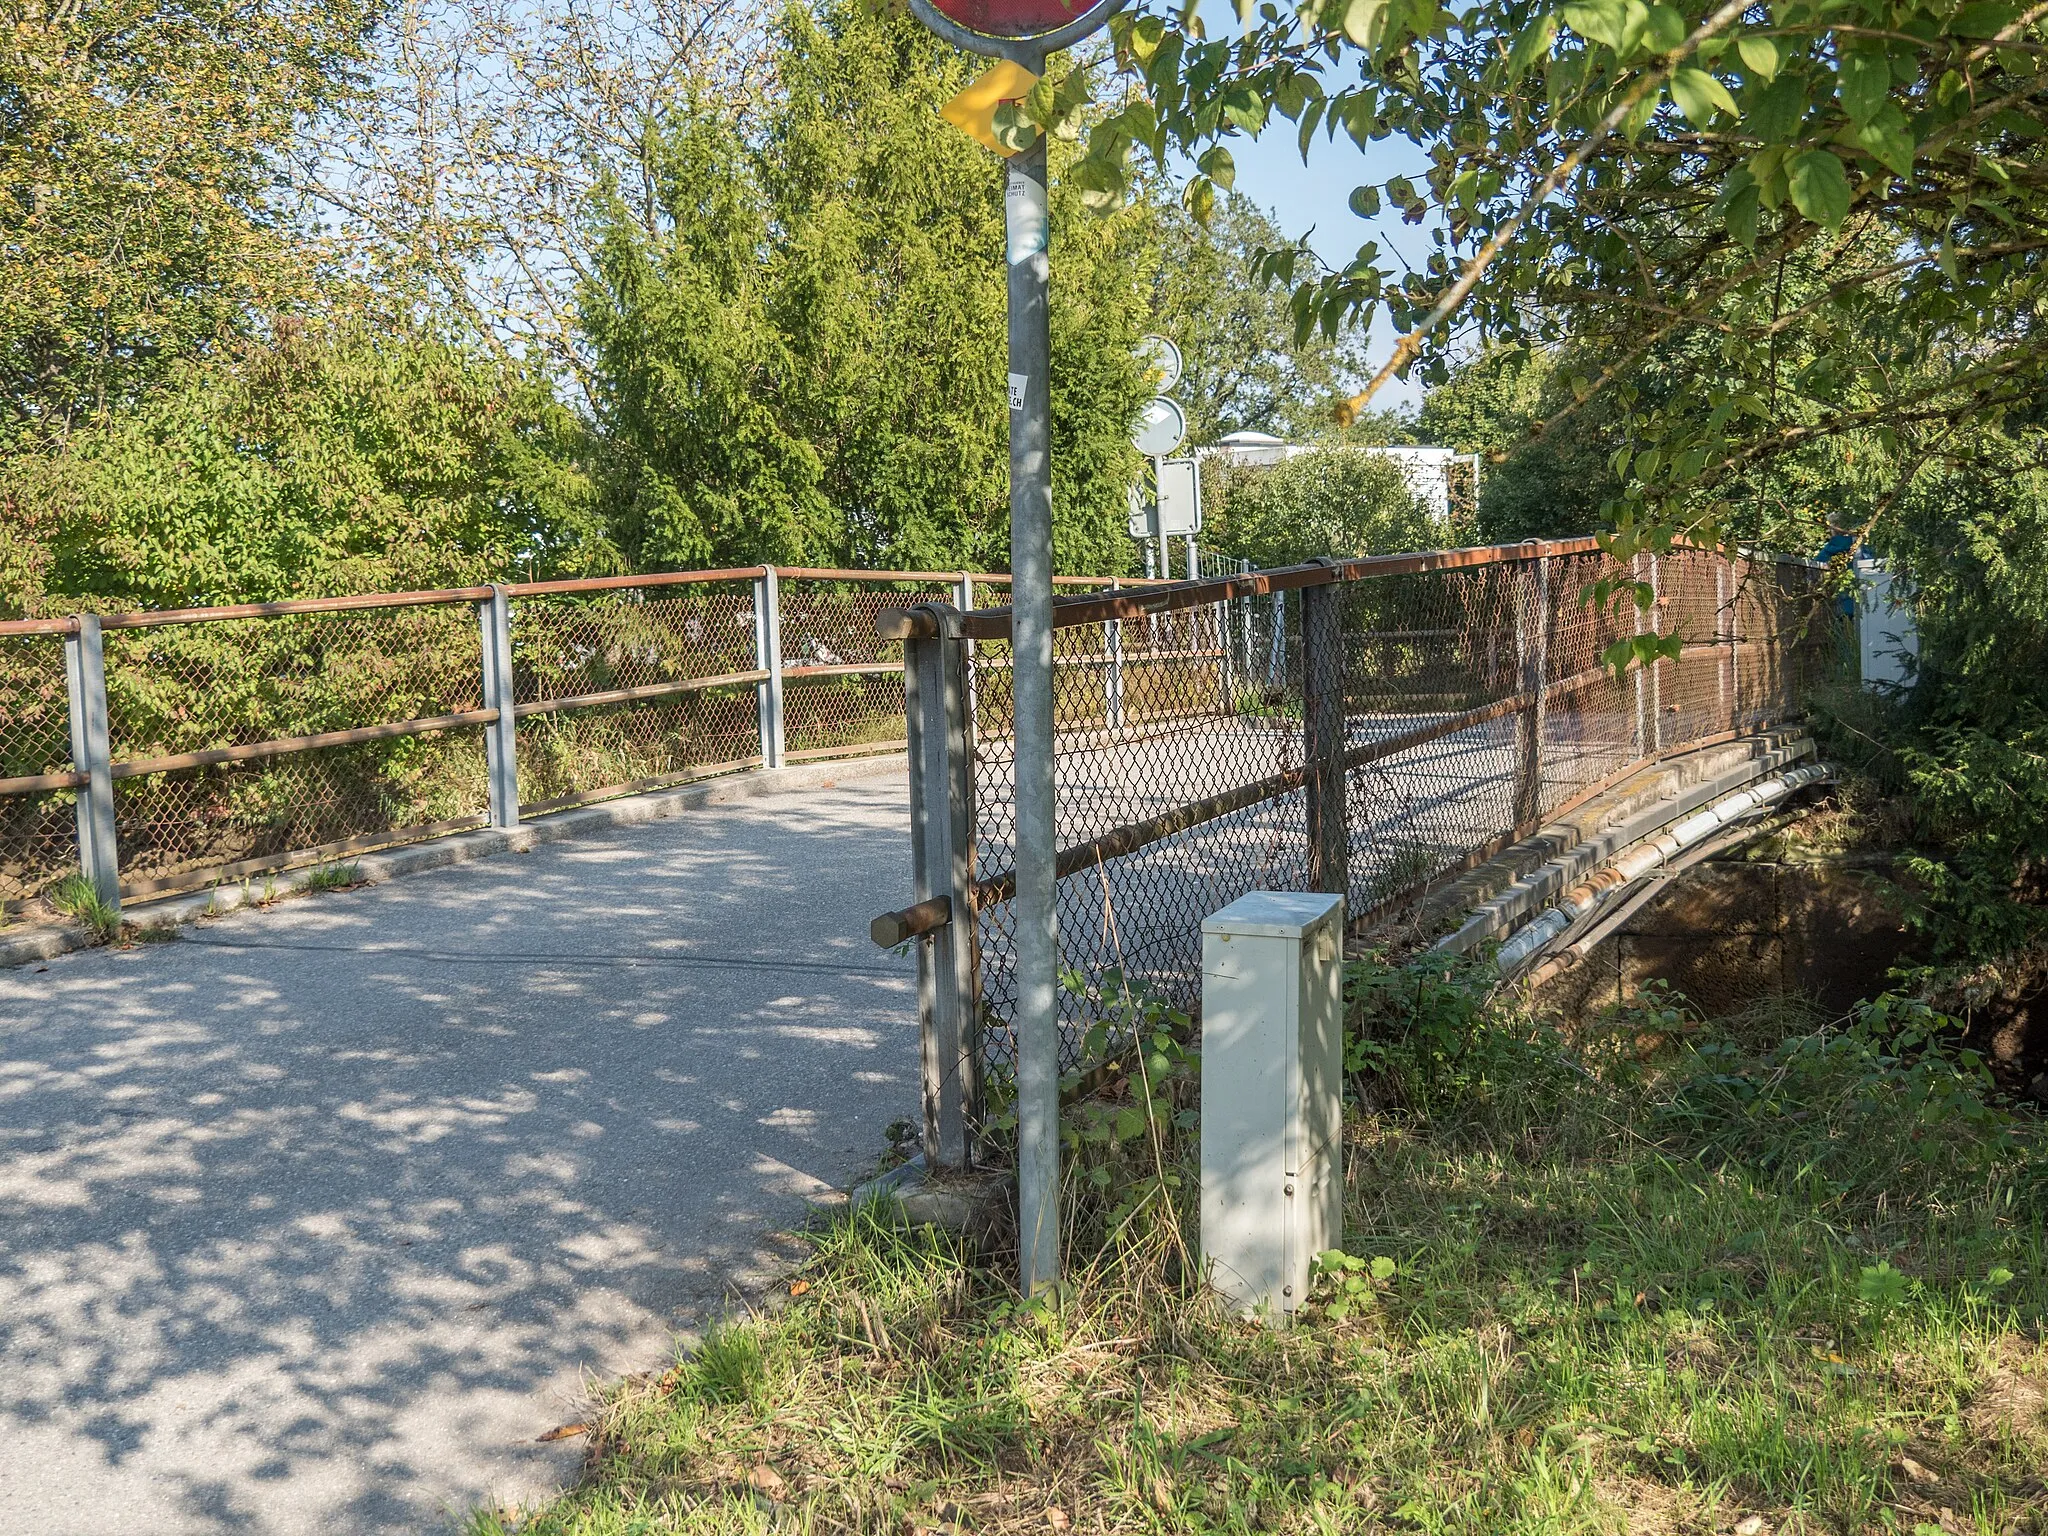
(38, 836)
(185, 688)
(842, 686)
(1160, 719)
(587, 645)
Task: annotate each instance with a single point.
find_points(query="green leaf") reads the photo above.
(1760, 56)
(1040, 104)
(1820, 188)
(1129, 1124)
(1217, 165)
(1361, 20)
(2001, 1276)
(1986, 18)
(1599, 21)
(1309, 118)
(1365, 201)
(1881, 1285)
(1776, 112)
(1533, 45)
(1012, 127)
(1864, 81)
(1699, 95)
(1245, 108)
(1666, 31)
(1890, 138)
(1200, 200)
(1739, 201)
(1383, 1268)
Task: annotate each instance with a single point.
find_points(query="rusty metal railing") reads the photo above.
(1371, 727)
(164, 751)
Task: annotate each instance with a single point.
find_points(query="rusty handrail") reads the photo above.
(160, 617)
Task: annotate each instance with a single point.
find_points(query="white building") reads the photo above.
(1427, 470)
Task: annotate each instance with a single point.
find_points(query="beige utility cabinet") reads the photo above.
(1272, 1083)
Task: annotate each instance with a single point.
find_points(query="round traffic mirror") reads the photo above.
(1161, 427)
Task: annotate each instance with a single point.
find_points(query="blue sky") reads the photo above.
(1313, 199)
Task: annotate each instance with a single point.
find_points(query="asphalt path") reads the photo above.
(315, 1218)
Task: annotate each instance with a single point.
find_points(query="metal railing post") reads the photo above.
(768, 658)
(501, 736)
(1322, 686)
(941, 850)
(1113, 670)
(1724, 639)
(85, 670)
(1641, 681)
(1244, 623)
(1276, 652)
(1532, 644)
(1657, 666)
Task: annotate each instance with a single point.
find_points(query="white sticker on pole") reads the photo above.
(1017, 383)
(1024, 216)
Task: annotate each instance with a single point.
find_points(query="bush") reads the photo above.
(1336, 501)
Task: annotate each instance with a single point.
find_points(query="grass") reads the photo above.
(78, 899)
(332, 877)
(1775, 1273)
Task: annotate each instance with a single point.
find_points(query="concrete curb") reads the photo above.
(46, 943)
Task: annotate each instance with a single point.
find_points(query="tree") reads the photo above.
(464, 175)
(318, 465)
(143, 217)
(1335, 501)
(1840, 203)
(1246, 370)
(803, 360)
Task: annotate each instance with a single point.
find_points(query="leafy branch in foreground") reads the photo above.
(1833, 213)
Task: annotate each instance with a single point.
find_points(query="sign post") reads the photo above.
(1023, 32)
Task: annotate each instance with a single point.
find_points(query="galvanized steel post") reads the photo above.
(85, 669)
(1323, 745)
(1037, 930)
(1244, 623)
(941, 851)
(768, 658)
(501, 736)
(1113, 671)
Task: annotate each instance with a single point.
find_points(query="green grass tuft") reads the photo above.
(332, 877)
(78, 899)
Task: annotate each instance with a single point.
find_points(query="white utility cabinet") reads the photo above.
(1272, 1083)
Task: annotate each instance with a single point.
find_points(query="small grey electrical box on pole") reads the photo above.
(1272, 1075)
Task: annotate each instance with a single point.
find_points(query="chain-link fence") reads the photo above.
(1371, 727)
(38, 787)
(235, 742)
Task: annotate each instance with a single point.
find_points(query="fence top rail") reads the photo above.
(1160, 597)
(571, 585)
(63, 626)
(994, 623)
(164, 616)
(985, 578)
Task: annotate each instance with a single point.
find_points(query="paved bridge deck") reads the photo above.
(313, 1219)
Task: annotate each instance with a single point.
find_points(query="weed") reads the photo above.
(77, 898)
(332, 877)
